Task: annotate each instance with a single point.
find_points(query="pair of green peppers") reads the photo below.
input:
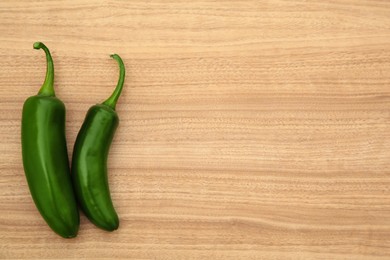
(55, 189)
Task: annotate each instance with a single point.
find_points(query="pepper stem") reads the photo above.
(111, 101)
(47, 88)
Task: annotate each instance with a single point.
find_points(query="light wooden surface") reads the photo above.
(249, 129)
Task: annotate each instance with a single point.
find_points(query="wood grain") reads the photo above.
(249, 129)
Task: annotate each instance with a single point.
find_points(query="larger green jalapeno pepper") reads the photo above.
(45, 156)
(89, 162)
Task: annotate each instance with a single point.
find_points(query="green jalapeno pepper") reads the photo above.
(45, 156)
(89, 162)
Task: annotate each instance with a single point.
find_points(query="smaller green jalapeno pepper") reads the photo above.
(45, 156)
(89, 162)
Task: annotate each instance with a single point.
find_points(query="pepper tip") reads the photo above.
(37, 45)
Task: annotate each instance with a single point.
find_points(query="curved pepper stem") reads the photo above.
(47, 88)
(111, 101)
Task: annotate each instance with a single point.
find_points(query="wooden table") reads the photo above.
(249, 129)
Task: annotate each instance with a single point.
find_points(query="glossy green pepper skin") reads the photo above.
(89, 162)
(45, 156)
